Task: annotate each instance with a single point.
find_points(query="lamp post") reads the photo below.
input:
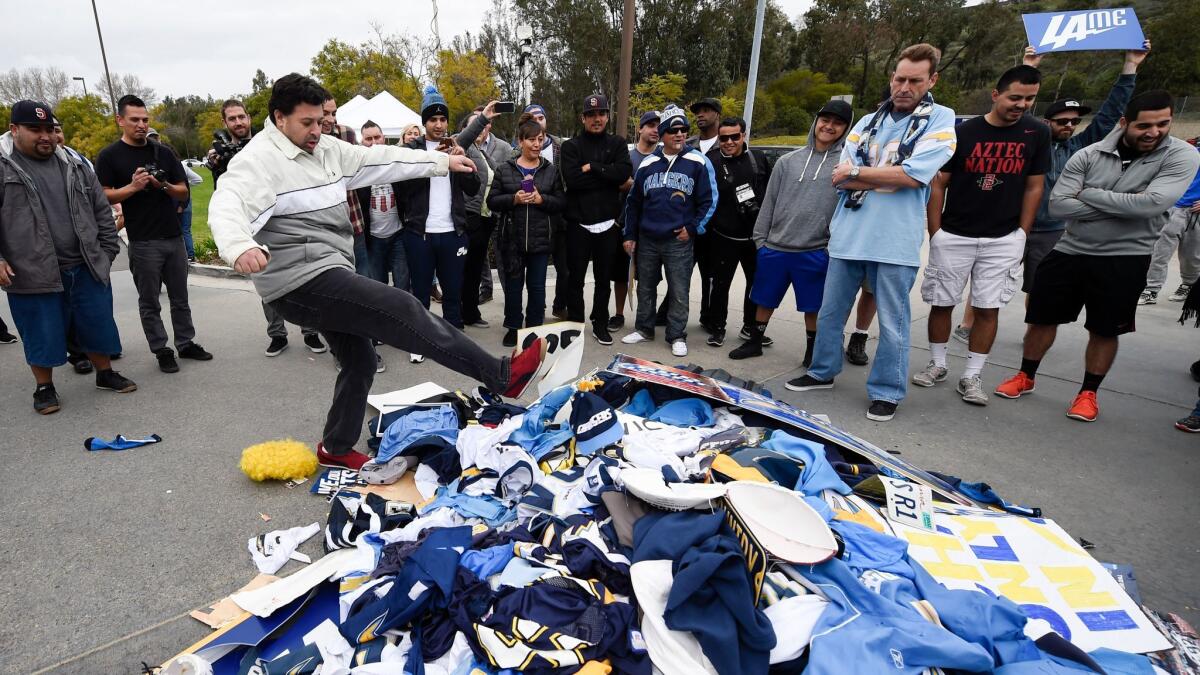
(84, 83)
(104, 56)
(752, 80)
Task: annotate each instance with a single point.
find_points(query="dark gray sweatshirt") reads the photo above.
(800, 199)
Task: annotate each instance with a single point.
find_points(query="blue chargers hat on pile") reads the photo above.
(594, 422)
(673, 117)
(433, 103)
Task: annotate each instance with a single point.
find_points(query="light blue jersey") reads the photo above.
(889, 227)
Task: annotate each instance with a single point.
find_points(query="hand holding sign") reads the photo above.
(1116, 28)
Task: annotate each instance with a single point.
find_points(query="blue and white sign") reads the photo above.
(1084, 30)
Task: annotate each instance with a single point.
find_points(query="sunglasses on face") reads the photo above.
(1067, 121)
(728, 138)
(677, 130)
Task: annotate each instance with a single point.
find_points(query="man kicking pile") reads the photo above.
(280, 215)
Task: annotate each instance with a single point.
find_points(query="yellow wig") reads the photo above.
(281, 460)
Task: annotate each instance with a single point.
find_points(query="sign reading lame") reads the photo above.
(1091, 29)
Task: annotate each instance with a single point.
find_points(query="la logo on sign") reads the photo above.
(1064, 29)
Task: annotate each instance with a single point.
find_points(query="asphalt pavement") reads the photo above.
(107, 552)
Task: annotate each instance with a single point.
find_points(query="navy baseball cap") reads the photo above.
(706, 103)
(595, 423)
(595, 102)
(648, 117)
(1065, 104)
(32, 113)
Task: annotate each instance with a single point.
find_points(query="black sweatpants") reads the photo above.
(584, 247)
(350, 310)
(724, 257)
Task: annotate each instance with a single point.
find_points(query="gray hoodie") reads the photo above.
(1110, 211)
(800, 199)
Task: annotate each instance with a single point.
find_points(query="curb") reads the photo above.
(217, 271)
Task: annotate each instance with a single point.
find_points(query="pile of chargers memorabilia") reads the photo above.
(649, 519)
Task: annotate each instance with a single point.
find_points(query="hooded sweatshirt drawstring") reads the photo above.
(808, 159)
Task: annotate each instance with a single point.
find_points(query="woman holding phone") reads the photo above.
(525, 193)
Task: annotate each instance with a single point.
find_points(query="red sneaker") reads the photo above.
(1015, 386)
(1084, 407)
(523, 367)
(351, 459)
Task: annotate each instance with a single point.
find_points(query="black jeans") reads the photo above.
(479, 234)
(724, 257)
(350, 310)
(584, 247)
(562, 274)
(156, 263)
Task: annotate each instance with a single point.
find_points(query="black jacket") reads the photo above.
(526, 229)
(735, 218)
(595, 196)
(413, 197)
(364, 200)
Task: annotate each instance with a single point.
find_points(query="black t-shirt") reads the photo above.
(149, 214)
(988, 171)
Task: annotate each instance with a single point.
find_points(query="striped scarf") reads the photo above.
(917, 124)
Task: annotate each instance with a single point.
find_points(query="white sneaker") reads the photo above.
(416, 358)
(679, 348)
(634, 338)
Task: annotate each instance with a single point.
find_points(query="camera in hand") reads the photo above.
(225, 145)
(156, 172)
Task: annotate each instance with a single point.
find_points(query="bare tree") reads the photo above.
(127, 83)
(49, 85)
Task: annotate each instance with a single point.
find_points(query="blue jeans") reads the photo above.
(888, 380)
(185, 225)
(531, 278)
(43, 319)
(362, 258)
(386, 254)
(653, 256)
(443, 254)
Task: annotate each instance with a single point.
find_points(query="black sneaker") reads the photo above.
(707, 327)
(616, 322)
(278, 344)
(748, 349)
(114, 381)
(166, 360)
(479, 323)
(82, 366)
(716, 338)
(856, 349)
(881, 411)
(1190, 424)
(485, 298)
(195, 352)
(1196, 371)
(314, 344)
(600, 332)
(7, 338)
(744, 334)
(510, 338)
(45, 399)
(380, 366)
(807, 382)
(560, 313)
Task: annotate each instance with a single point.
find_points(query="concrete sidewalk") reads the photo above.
(107, 552)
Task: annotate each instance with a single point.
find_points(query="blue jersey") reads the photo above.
(669, 194)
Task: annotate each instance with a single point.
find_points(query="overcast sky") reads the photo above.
(213, 49)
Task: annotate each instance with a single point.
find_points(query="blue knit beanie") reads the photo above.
(433, 103)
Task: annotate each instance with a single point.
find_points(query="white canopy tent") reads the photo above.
(348, 107)
(385, 110)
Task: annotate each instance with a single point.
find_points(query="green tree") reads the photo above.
(465, 80)
(87, 124)
(348, 71)
(1174, 64)
(260, 82)
(655, 92)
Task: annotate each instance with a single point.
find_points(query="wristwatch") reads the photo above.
(854, 172)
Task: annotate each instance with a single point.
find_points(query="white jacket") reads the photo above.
(292, 204)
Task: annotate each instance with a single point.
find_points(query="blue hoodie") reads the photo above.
(670, 194)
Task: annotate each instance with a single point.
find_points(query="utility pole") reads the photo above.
(752, 80)
(107, 75)
(84, 83)
(626, 68)
(437, 34)
(525, 40)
